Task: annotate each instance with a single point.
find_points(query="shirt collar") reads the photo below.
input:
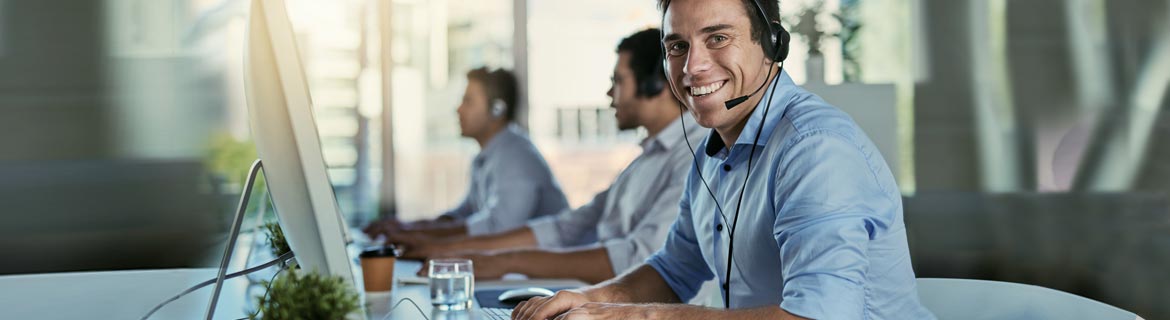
(775, 113)
(496, 142)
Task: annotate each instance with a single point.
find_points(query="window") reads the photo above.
(433, 45)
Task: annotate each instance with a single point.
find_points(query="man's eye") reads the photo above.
(676, 49)
(717, 40)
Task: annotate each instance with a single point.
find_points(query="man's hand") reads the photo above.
(616, 311)
(486, 266)
(549, 307)
(383, 227)
(409, 239)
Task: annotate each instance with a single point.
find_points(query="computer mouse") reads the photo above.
(517, 295)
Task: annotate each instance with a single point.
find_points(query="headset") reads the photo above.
(498, 107)
(776, 47)
(653, 84)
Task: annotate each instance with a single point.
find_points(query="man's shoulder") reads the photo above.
(518, 146)
(809, 115)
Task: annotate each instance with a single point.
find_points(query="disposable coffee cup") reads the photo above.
(378, 268)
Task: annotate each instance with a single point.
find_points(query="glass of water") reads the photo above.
(452, 283)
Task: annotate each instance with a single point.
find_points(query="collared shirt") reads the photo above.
(632, 217)
(820, 231)
(510, 184)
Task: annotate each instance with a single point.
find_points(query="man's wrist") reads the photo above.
(609, 293)
(674, 311)
(509, 261)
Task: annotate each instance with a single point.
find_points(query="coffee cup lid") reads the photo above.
(379, 252)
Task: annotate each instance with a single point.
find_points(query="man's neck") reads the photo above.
(492, 131)
(731, 133)
(666, 112)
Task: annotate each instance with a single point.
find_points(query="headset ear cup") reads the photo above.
(497, 108)
(657, 85)
(651, 87)
(782, 43)
(652, 84)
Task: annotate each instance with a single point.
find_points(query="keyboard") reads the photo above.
(497, 313)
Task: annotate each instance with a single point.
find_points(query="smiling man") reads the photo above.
(789, 206)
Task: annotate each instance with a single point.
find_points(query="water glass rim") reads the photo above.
(450, 261)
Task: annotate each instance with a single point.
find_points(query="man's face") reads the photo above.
(623, 94)
(711, 58)
(474, 114)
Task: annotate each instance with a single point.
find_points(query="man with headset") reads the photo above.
(510, 181)
(623, 224)
(789, 207)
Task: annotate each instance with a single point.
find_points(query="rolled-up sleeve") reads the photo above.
(680, 261)
(650, 231)
(463, 210)
(823, 226)
(570, 227)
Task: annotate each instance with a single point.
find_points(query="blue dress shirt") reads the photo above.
(511, 184)
(820, 230)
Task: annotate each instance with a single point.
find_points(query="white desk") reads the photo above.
(130, 294)
(379, 303)
(116, 295)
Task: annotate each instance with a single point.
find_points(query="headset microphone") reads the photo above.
(735, 102)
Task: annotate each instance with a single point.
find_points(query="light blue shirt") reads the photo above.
(510, 185)
(631, 218)
(820, 230)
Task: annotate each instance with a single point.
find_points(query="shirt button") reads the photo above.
(726, 287)
(727, 167)
(719, 227)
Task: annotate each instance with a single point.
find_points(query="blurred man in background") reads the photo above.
(510, 181)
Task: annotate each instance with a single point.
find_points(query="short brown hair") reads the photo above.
(498, 84)
(759, 26)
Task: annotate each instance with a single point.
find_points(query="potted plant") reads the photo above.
(294, 294)
(276, 241)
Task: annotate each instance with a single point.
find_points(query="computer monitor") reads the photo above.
(281, 115)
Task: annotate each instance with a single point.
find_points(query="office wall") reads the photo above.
(100, 152)
(944, 127)
(51, 81)
(1113, 248)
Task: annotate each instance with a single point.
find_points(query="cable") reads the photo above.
(267, 288)
(687, 138)
(284, 257)
(763, 121)
(391, 312)
(743, 190)
(270, 281)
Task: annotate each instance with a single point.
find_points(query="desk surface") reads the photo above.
(379, 303)
(130, 294)
(116, 295)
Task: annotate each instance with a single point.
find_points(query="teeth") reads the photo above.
(699, 91)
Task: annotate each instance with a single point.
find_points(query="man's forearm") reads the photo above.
(518, 238)
(444, 230)
(689, 312)
(589, 265)
(641, 285)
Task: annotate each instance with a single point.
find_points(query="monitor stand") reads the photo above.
(231, 245)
